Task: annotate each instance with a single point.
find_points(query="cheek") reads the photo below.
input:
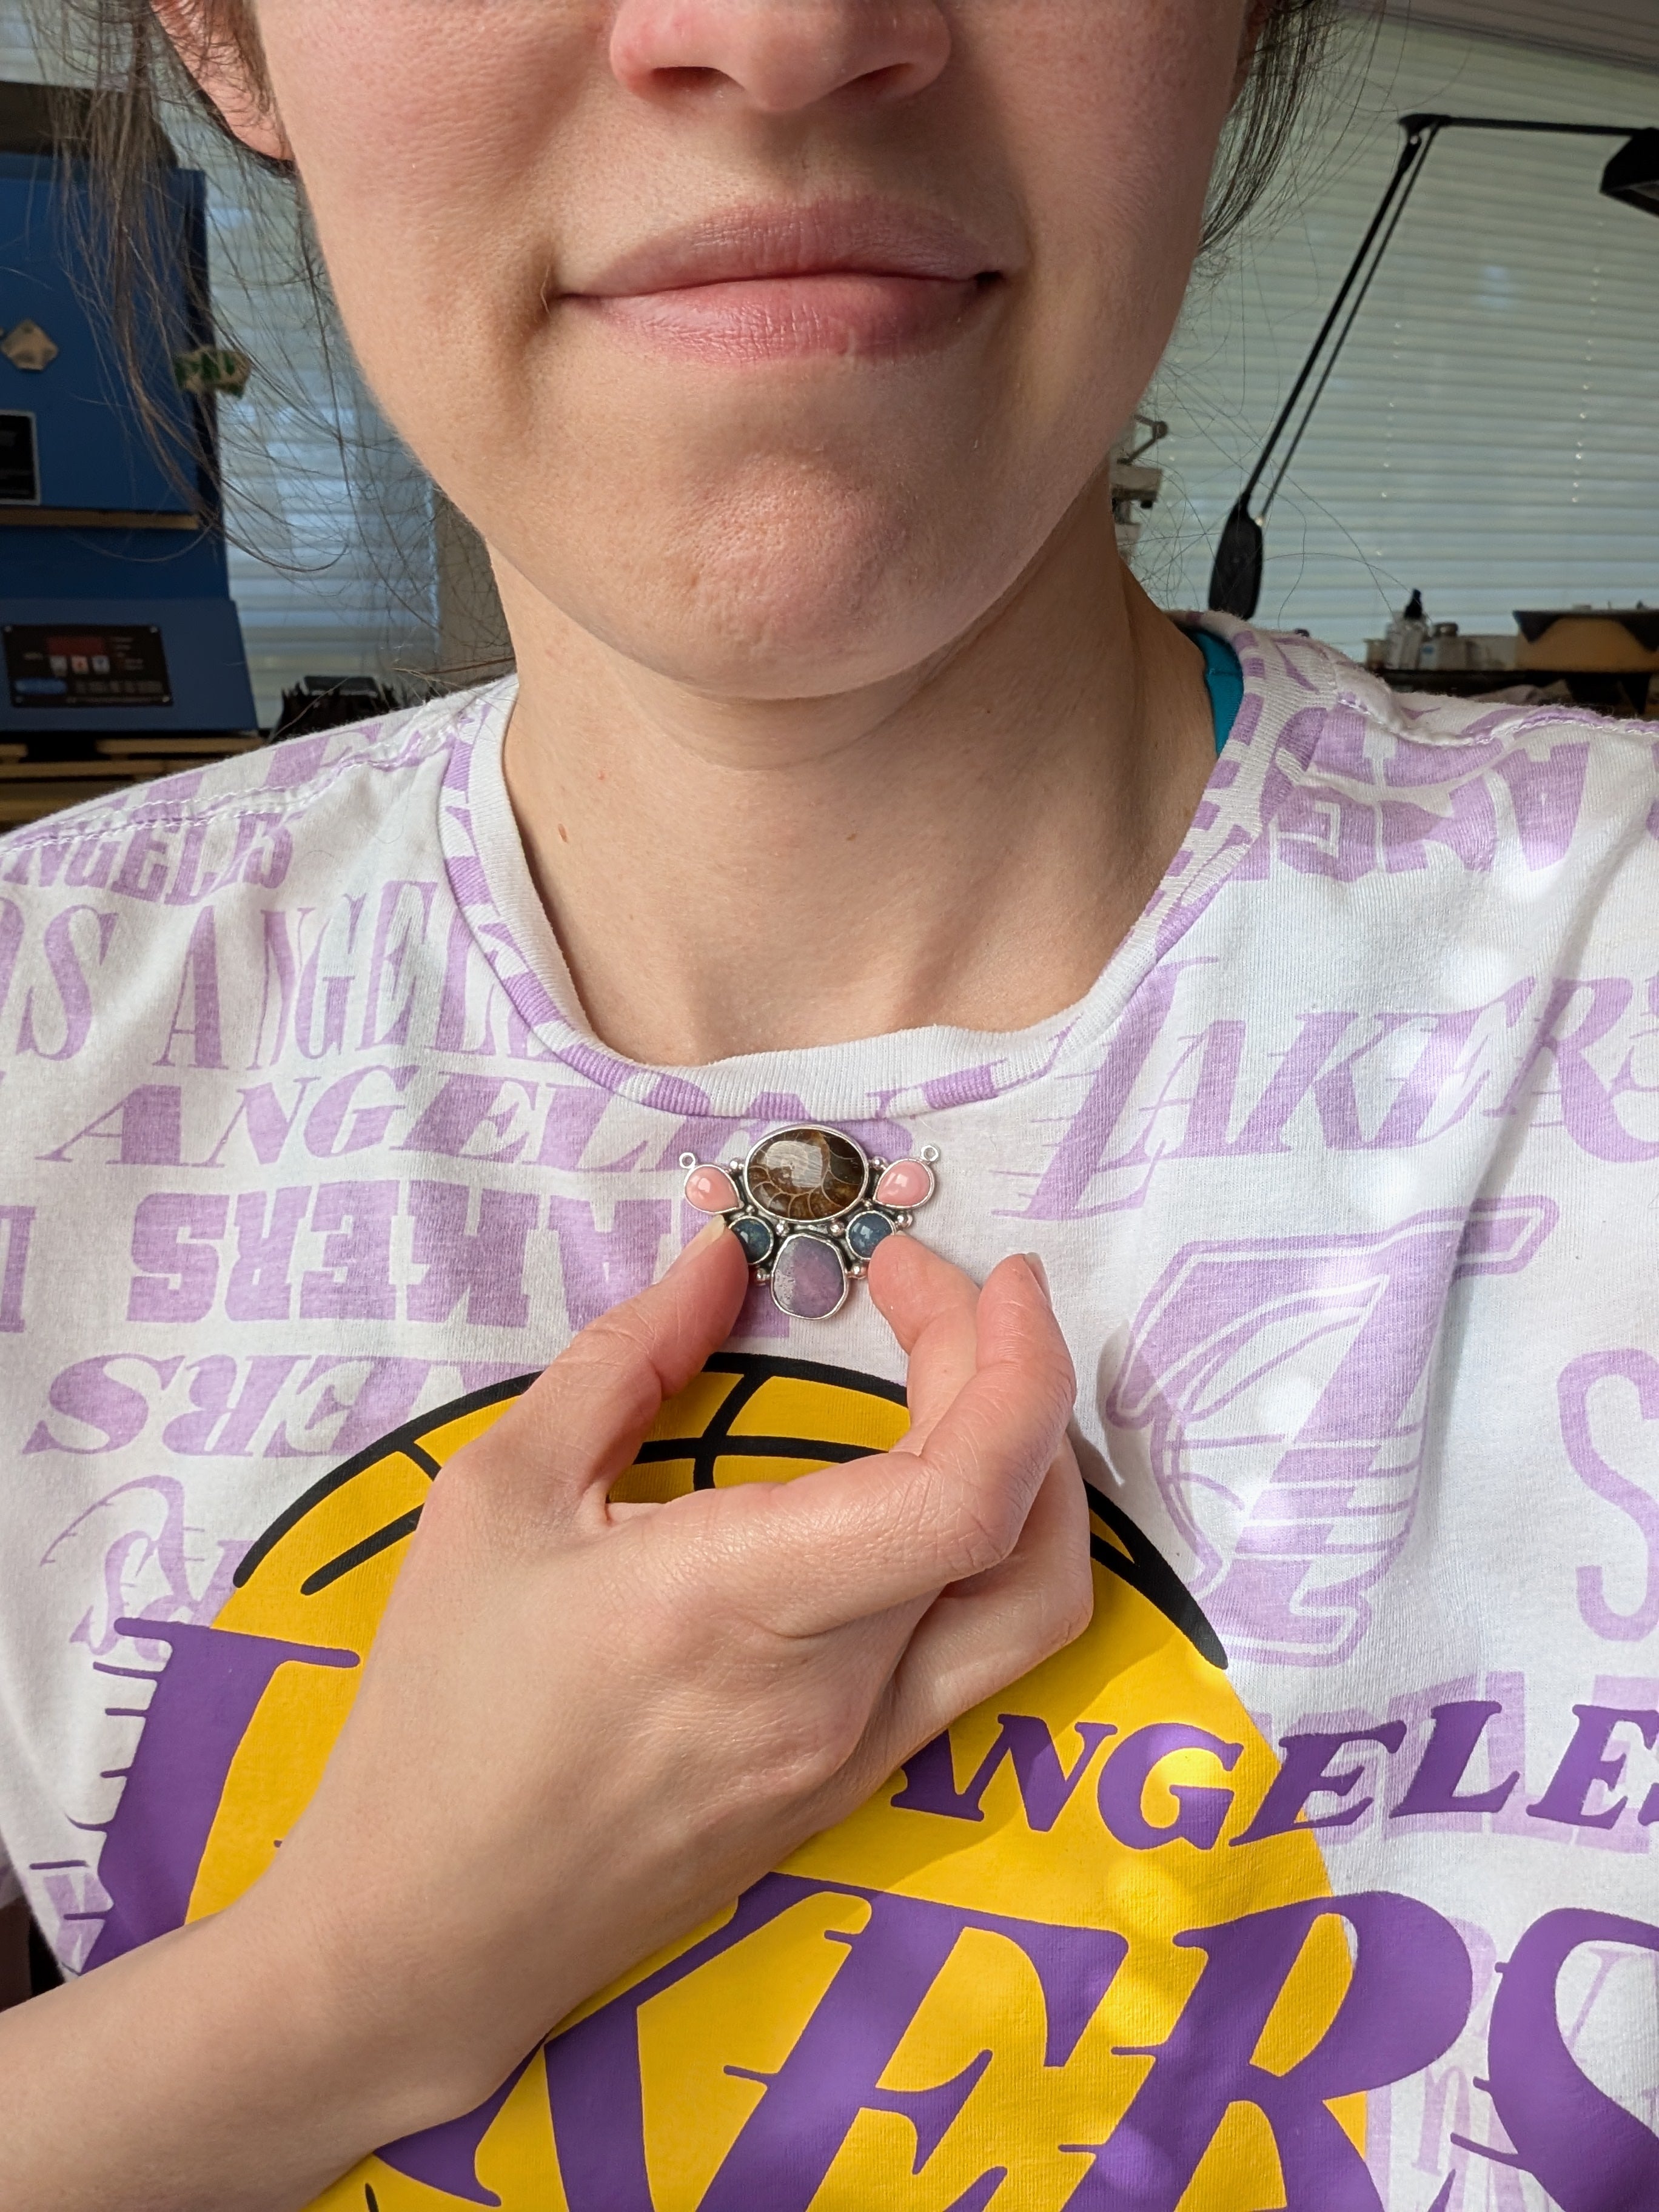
(1113, 111)
(420, 128)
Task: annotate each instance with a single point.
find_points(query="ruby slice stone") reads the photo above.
(711, 1190)
(906, 1183)
(808, 1277)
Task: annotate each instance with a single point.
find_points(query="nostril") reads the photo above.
(780, 55)
(687, 79)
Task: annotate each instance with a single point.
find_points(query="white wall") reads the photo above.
(1494, 434)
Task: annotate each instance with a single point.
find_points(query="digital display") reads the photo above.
(82, 668)
(20, 461)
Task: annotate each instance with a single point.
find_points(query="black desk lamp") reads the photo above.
(1632, 176)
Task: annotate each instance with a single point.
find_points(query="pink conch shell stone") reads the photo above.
(906, 1183)
(711, 1190)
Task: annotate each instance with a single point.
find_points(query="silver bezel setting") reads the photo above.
(830, 1229)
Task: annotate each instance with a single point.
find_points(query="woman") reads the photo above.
(852, 805)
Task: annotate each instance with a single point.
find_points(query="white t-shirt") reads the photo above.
(1319, 1873)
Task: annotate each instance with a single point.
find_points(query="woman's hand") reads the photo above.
(583, 1728)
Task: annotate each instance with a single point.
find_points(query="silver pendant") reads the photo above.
(809, 1205)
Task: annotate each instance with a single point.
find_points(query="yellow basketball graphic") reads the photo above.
(950, 2003)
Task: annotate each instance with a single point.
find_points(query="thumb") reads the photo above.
(560, 1447)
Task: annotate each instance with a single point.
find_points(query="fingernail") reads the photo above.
(710, 1233)
(1034, 1261)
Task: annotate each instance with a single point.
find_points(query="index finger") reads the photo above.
(872, 1534)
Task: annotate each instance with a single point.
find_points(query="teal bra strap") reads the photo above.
(1225, 679)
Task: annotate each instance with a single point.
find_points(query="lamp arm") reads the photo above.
(1339, 347)
(1236, 580)
(1420, 133)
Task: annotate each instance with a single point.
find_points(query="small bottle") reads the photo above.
(1407, 634)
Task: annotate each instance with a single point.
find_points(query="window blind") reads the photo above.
(1621, 30)
(1491, 435)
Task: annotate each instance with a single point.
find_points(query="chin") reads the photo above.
(788, 586)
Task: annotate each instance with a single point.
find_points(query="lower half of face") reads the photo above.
(770, 340)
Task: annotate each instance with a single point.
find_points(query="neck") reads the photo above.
(966, 845)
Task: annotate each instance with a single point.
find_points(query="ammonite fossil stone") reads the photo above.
(806, 1175)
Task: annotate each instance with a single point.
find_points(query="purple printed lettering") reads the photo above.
(175, 1256)
(1202, 1809)
(370, 1123)
(259, 1288)
(199, 1711)
(224, 1421)
(1586, 2150)
(148, 1131)
(88, 1392)
(1584, 1766)
(16, 1223)
(1432, 1791)
(1023, 1742)
(467, 1103)
(64, 956)
(355, 1280)
(1641, 1371)
(1406, 2005)
(1307, 1773)
(400, 926)
(484, 1267)
(603, 1266)
(199, 983)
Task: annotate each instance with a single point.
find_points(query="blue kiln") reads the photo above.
(116, 617)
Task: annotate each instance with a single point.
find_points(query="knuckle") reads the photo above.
(809, 1755)
(1071, 1607)
(978, 1536)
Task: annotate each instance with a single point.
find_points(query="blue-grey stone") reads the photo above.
(755, 1237)
(865, 1231)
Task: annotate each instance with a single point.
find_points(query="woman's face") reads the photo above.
(768, 339)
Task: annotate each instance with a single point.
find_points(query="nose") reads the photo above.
(780, 57)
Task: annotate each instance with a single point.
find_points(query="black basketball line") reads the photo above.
(713, 1437)
(1147, 1569)
(357, 1554)
(398, 1439)
(1139, 1564)
(802, 1447)
(754, 1368)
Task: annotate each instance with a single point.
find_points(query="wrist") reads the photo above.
(354, 2038)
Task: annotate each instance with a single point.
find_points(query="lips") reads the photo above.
(852, 277)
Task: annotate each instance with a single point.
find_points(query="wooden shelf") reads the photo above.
(93, 518)
(31, 789)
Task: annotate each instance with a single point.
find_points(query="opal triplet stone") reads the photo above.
(806, 1175)
(808, 1278)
